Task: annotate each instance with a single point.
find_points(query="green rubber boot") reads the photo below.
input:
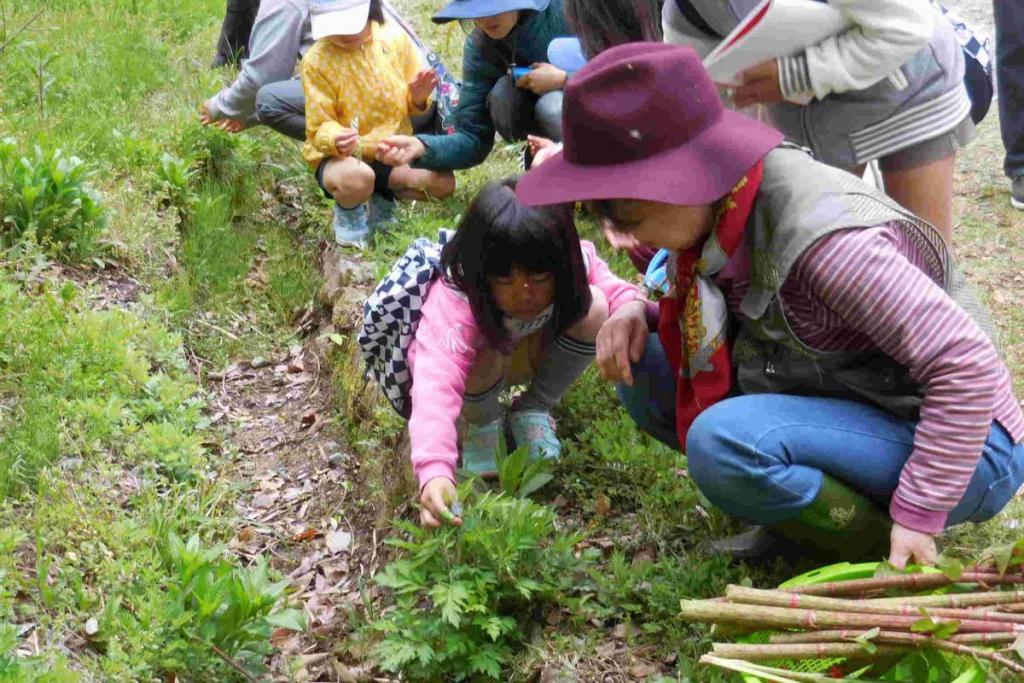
(841, 524)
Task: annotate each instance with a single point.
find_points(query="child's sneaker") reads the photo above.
(1017, 192)
(351, 228)
(536, 430)
(479, 444)
(382, 212)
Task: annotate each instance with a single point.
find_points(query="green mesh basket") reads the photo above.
(968, 670)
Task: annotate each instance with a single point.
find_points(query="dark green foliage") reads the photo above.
(464, 595)
(46, 196)
(223, 605)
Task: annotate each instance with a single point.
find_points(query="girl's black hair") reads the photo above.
(376, 12)
(601, 24)
(497, 234)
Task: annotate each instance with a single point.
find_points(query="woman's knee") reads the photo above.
(267, 108)
(718, 460)
(549, 114)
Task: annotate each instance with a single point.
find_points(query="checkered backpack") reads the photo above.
(977, 63)
(390, 317)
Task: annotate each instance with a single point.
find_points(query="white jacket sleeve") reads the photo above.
(884, 35)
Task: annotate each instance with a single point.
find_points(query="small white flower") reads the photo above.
(635, 134)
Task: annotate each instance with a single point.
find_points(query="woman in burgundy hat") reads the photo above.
(824, 364)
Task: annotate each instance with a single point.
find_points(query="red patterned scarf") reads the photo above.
(693, 317)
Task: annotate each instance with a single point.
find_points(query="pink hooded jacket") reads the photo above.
(442, 354)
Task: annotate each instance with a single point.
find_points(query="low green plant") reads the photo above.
(229, 609)
(17, 669)
(464, 595)
(520, 475)
(174, 177)
(46, 195)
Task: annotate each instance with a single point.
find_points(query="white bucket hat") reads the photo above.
(337, 17)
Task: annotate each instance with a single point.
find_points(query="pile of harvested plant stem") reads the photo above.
(849, 621)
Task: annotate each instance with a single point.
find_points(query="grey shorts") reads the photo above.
(931, 150)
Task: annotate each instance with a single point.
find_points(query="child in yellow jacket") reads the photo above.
(362, 81)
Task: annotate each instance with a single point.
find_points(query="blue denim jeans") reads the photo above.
(282, 106)
(761, 456)
(1009, 18)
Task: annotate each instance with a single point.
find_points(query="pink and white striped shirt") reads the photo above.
(870, 288)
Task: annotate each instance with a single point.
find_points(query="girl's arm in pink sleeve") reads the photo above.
(445, 347)
(615, 289)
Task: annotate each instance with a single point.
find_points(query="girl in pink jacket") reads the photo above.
(521, 298)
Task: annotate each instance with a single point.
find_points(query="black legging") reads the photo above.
(233, 43)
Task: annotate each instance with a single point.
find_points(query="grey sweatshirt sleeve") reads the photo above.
(273, 52)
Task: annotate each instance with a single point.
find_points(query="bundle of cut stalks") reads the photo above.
(848, 621)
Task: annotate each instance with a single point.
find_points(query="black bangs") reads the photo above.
(522, 238)
(498, 234)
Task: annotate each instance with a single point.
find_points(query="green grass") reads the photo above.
(107, 457)
(107, 460)
(631, 494)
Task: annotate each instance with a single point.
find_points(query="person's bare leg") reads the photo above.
(488, 368)
(419, 183)
(349, 181)
(927, 192)
(481, 427)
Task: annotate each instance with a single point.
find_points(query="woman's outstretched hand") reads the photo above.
(621, 342)
(400, 150)
(907, 544)
(436, 496)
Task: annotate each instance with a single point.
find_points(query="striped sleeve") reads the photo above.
(863, 276)
(795, 79)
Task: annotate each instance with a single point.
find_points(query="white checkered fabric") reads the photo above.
(972, 45)
(390, 317)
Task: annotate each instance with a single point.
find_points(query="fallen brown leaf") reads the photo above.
(305, 535)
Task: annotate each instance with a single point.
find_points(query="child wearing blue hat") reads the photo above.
(507, 84)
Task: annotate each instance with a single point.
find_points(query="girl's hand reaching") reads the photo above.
(906, 544)
(543, 78)
(621, 341)
(435, 497)
(346, 142)
(420, 87)
(400, 150)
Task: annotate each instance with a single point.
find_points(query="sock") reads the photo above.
(564, 360)
(482, 408)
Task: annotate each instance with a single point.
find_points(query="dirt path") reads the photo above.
(301, 502)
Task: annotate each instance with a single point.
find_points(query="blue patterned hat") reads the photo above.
(474, 9)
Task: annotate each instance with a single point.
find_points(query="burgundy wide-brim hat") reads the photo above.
(644, 121)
